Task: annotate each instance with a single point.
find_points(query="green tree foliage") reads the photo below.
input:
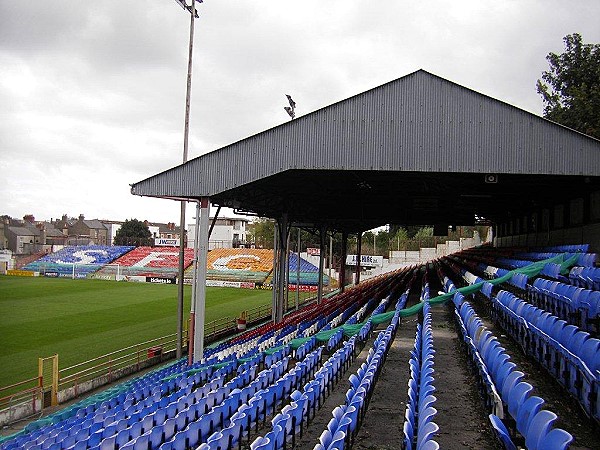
(424, 232)
(571, 88)
(261, 233)
(133, 232)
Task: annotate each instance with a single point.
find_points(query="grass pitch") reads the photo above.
(83, 319)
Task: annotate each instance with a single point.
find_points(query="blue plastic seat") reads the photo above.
(426, 401)
(409, 435)
(526, 412)
(107, 443)
(426, 415)
(516, 396)
(556, 439)
(429, 445)
(141, 442)
(511, 380)
(325, 438)
(122, 437)
(426, 432)
(261, 443)
(538, 428)
(169, 429)
(337, 442)
(501, 433)
(589, 352)
(156, 436)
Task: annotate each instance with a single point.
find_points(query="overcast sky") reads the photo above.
(92, 94)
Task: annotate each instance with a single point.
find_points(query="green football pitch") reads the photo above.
(83, 319)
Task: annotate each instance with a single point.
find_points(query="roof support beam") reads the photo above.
(282, 256)
(197, 316)
(358, 250)
(322, 235)
(342, 277)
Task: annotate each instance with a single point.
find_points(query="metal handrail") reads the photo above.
(18, 392)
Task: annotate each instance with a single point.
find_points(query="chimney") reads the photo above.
(64, 218)
(81, 217)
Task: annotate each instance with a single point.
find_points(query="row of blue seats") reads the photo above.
(419, 427)
(91, 416)
(347, 417)
(573, 248)
(193, 420)
(304, 404)
(520, 410)
(571, 355)
(586, 277)
(573, 304)
(274, 437)
(251, 410)
(583, 259)
(92, 430)
(576, 305)
(314, 391)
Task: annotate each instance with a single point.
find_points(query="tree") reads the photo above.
(261, 232)
(133, 232)
(571, 88)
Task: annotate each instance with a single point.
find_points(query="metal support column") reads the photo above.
(322, 233)
(358, 255)
(283, 231)
(200, 281)
(193, 307)
(342, 282)
(298, 272)
(274, 282)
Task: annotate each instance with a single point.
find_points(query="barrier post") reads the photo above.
(54, 392)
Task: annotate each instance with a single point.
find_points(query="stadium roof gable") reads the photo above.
(416, 150)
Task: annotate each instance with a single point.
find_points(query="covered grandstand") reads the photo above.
(492, 348)
(436, 153)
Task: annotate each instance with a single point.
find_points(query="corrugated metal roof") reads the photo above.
(417, 123)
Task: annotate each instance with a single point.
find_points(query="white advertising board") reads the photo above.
(164, 242)
(365, 260)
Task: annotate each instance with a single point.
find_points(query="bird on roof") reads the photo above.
(292, 102)
(290, 111)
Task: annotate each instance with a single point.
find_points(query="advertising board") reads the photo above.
(160, 280)
(365, 260)
(165, 242)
